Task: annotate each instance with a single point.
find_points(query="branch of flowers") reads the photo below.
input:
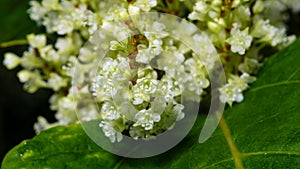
(13, 43)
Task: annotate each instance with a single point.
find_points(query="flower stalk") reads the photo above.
(13, 43)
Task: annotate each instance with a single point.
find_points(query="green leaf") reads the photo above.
(261, 132)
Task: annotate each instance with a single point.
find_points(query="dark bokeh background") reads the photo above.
(18, 109)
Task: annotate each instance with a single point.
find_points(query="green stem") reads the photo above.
(13, 43)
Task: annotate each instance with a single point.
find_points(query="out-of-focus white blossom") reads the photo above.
(268, 33)
(33, 80)
(56, 82)
(11, 60)
(42, 124)
(249, 66)
(145, 5)
(36, 41)
(24, 75)
(65, 113)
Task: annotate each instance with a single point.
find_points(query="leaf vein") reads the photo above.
(290, 139)
(274, 85)
(219, 162)
(271, 153)
(293, 74)
(234, 151)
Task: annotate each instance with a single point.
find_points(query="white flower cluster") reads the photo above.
(64, 17)
(239, 29)
(139, 84)
(232, 91)
(136, 99)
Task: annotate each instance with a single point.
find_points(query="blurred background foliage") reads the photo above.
(18, 109)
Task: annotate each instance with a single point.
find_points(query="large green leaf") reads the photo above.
(261, 132)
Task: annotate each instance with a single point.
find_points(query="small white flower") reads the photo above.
(24, 75)
(42, 124)
(36, 11)
(229, 94)
(177, 110)
(109, 66)
(66, 103)
(49, 54)
(110, 132)
(36, 41)
(155, 31)
(30, 60)
(158, 27)
(279, 36)
(195, 16)
(152, 3)
(268, 33)
(144, 54)
(240, 41)
(171, 63)
(156, 46)
(147, 86)
(232, 91)
(88, 113)
(93, 22)
(102, 87)
(169, 87)
(109, 112)
(133, 10)
(145, 5)
(64, 45)
(201, 6)
(209, 55)
(56, 82)
(116, 12)
(11, 60)
(143, 90)
(197, 71)
(261, 28)
(32, 79)
(86, 55)
(64, 26)
(65, 113)
(146, 119)
(54, 102)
